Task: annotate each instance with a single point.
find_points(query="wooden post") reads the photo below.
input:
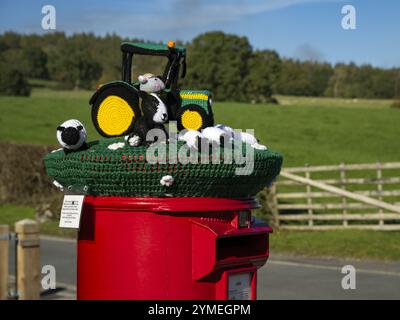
(273, 204)
(380, 189)
(4, 234)
(28, 255)
(309, 199)
(344, 200)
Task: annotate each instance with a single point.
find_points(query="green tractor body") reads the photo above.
(116, 104)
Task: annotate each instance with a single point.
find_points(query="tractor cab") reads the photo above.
(175, 67)
(116, 104)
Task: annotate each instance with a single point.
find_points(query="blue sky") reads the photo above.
(295, 28)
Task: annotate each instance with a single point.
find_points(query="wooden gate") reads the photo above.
(357, 196)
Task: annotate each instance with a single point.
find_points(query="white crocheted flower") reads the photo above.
(167, 181)
(58, 185)
(134, 141)
(115, 146)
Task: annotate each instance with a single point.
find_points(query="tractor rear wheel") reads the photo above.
(193, 117)
(114, 111)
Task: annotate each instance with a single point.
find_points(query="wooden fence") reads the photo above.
(27, 278)
(358, 196)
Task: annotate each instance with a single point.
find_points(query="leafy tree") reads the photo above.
(337, 82)
(10, 40)
(319, 75)
(264, 71)
(385, 84)
(308, 78)
(73, 66)
(35, 62)
(108, 54)
(218, 62)
(12, 80)
(222, 63)
(396, 76)
(293, 79)
(352, 81)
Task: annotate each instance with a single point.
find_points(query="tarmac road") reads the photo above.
(283, 277)
(286, 277)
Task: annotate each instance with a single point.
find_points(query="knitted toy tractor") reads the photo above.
(115, 105)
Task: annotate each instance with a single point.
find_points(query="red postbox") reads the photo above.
(169, 248)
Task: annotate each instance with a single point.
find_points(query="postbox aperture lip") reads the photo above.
(244, 219)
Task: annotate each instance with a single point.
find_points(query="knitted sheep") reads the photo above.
(71, 135)
(150, 83)
(211, 135)
(192, 138)
(242, 136)
(216, 135)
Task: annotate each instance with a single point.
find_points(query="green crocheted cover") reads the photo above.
(125, 172)
(198, 97)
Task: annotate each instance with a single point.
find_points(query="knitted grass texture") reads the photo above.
(125, 172)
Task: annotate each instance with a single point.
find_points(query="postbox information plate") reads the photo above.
(239, 286)
(71, 211)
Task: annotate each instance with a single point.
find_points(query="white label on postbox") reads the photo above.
(71, 211)
(239, 286)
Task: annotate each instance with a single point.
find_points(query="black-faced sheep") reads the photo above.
(71, 135)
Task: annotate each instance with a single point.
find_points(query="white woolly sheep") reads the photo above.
(71, 135)
(242, 136)
(192, 138)
(150, 83)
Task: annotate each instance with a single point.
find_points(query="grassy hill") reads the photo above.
(305, 130)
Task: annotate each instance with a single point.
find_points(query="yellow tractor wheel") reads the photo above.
(114, 111)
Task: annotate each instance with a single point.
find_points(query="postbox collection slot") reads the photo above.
(242, 246)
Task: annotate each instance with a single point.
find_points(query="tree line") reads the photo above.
(225, 64)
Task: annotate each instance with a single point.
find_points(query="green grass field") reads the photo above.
(328, 132)
(305, 130)
(359, 244)
(10, 214)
